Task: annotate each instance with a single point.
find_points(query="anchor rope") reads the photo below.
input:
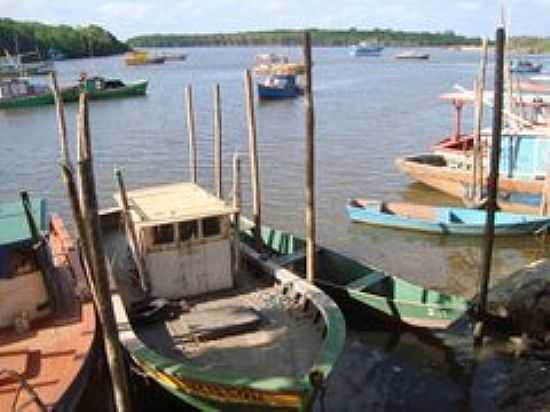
(23, 384)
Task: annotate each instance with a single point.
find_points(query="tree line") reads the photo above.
(73, 42)
(386, 37)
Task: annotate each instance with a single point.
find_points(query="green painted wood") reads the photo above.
(14, 228)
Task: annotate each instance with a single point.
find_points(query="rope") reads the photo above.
(23, 384)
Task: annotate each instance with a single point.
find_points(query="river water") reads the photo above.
(369, 111)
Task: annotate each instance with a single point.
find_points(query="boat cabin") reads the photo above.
(184, 237)
(23, 291)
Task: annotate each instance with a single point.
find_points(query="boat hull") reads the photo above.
(274, 93)
(446, 221)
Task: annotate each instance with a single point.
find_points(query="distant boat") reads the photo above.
(177, 57)
(138, 58)
(22, 92)
(441, 220)
(412, 55)
(49, 344)
(13, 66)
(362, 291)
(525, 66)
(365, 49)
(279, 87)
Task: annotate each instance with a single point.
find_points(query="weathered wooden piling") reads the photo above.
(113, 350)
(479, 89)
(253, 154)
(61, 123)
(218, 142)
(191, 134)
(492, 185)
(310, 163)
(131, 232)
(236, 215)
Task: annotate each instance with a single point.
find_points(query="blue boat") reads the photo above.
(366, 50)
(279, 86)
(441, 220)
(525, 66)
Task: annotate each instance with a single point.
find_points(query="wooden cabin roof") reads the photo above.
(174, 203)
(14, 228)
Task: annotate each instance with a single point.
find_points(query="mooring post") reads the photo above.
(310, 163)
(113, 349)
(218, 142)
(253, 154)
(61, 123)
(191, 134)
(479, 119)
(492, 186)
(131, 231)
(237, 214)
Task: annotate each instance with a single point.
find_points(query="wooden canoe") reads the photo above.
(51, 360)
(441, 220)
(361, 289)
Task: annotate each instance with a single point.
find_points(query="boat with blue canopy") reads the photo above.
(281, 86)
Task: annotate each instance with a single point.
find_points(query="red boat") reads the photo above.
(48, 340)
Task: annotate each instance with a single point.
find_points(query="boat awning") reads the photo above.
(172, 203)
(14, 229)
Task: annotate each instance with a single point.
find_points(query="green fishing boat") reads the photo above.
(207, 317)
(362, 290)
(21, 92)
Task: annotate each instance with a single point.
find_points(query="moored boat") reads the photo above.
(99, 88)
(141, 57)
(364, 292)
(214, 334)
(279, 87)
(441, 220)
(49, 347)
(365, 49)
(525, 66)
(412, 55)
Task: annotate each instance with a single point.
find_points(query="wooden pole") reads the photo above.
(492, 186)
(310, 162)
(191, 134)
(545, 193)
(236, 215)
(479, 120)
(61, 123)
(253, 154)
(218, 142)
(113, 350)
(131, 231)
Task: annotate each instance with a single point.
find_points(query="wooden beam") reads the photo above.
(218, 142)
(310, 163)
(236, 215)
(253, 154)
(191, 134)
(492, 185)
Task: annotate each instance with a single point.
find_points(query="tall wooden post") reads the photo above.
(113, 350)
(236, 215)
(191, 134)
(492, 185)
(131, 231)
(218, 142)
(310, 163)
(479, 117)
(253, 154)
(61, 123)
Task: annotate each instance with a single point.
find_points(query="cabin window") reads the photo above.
(211, 226)
(163, 234)
(188, 230)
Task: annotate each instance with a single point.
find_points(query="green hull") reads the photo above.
(366, 290)
(72, 94)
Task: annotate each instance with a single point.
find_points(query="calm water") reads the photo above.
(368, 112)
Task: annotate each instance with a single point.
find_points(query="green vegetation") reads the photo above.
(28, 37)
(530, 45)
(385, 37)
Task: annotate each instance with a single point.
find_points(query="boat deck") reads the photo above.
(252, 329)
(49, 357)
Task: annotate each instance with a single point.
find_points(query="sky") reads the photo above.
(127, 18)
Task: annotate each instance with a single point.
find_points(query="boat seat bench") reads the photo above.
(366, 281)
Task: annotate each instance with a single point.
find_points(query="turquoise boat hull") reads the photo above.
(442, 220)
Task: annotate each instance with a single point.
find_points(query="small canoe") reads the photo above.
(441, 220)
(362, 291)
